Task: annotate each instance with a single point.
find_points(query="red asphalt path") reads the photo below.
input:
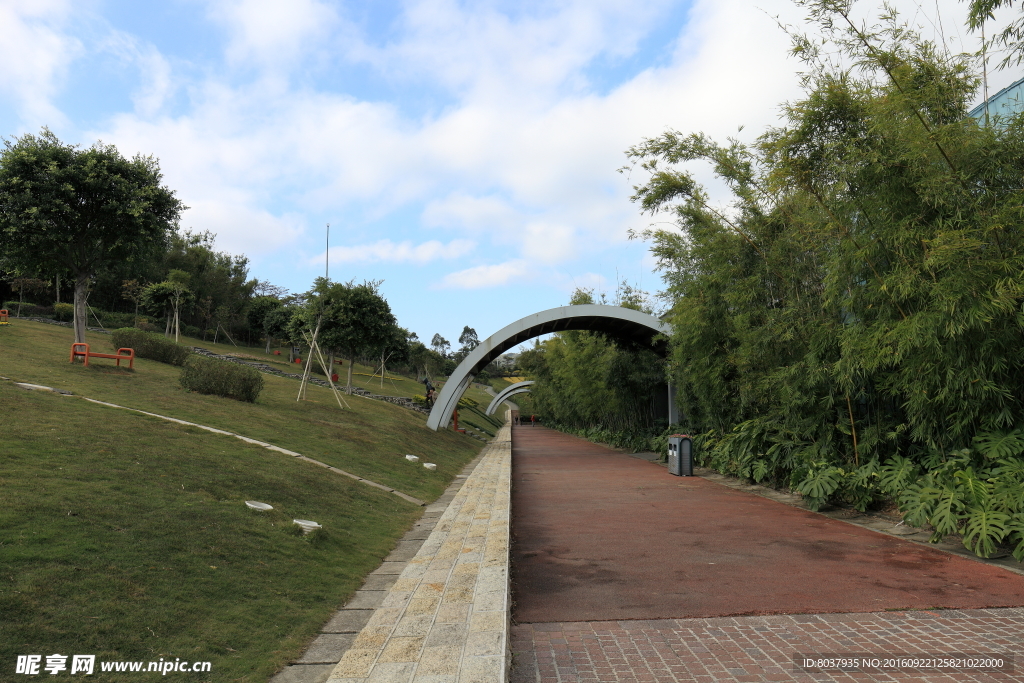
(601, 536)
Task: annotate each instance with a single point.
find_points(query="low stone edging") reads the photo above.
(446, 619)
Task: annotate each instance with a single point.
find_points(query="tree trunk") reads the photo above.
(167, 322)
(177, 325)
(58, 289)
(351, 362)
(81, 319)
(269, 339)
(330, 363)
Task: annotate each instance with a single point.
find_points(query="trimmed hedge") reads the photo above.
(65, 313)
(28, 310)
(110, 319)
(221, 378)
(151, 346)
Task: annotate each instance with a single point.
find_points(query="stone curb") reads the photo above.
(445, 619)
(338, 634)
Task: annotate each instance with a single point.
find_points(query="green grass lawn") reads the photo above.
(370, 440)
(127, 537)
(364, 377)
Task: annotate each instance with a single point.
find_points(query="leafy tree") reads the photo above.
(268, 314)
(156, 298)
(65, 208)
(440, 345)
(217, 276)
(355, 320)
(468, 341)
(177, 285)
(397, 347)
(33, 285)
(132, 291)
(419, 359)
(266, 288)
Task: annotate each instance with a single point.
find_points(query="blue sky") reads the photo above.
(465, 153)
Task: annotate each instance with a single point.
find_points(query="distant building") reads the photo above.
(1005, 103)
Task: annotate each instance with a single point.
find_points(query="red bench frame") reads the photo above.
(87, 354)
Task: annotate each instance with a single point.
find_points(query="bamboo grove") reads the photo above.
(851, 324)
(589, 384)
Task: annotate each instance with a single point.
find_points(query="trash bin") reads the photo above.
(680, 455)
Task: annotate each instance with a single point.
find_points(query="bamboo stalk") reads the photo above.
(853, 430)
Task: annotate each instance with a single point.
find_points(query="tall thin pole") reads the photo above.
(984, 70)
(327, 255)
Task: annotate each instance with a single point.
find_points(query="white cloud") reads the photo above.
(402, 252)
(271, 33)
(500, 53)
(35, 52)
(528, 171)
(474, 213)
(237, 222)
(156, 81)
(520, 158)
(487, 276)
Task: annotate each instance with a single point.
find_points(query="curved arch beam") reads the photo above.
(507, 392)
(623, 323)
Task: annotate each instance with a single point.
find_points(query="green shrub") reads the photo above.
(65, 313)
(151, 346)
(28, 310)
(114, 320)
(221, 378)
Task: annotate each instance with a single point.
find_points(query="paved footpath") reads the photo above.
(622, 572)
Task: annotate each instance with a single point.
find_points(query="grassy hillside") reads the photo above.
(127, 537)
(364, 377)
(367, 440)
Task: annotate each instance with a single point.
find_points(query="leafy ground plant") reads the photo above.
(976, 492)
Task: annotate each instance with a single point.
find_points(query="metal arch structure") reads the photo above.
(507, 393)
(622, 323)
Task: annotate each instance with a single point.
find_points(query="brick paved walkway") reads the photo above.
(625, 573)
(756, 649)
(601, 536)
